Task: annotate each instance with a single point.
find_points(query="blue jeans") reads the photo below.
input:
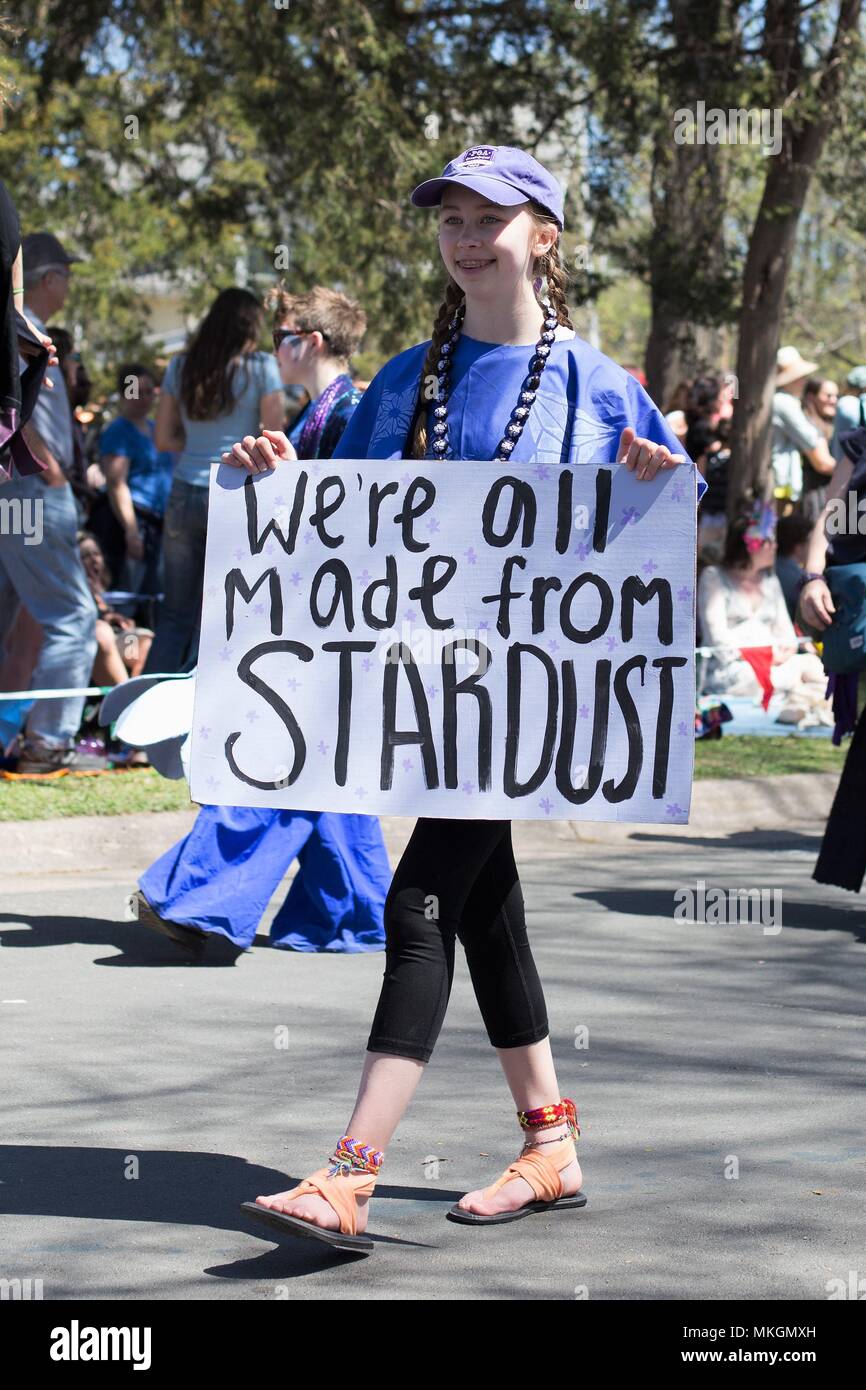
(184, 534)
(48, 578)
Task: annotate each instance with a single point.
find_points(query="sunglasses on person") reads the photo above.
(288, 335)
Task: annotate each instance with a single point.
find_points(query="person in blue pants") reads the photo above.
(220, 878)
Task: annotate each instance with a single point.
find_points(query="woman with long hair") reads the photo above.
(221, 388)
(219, 879)
(745, 621)
(503, 377)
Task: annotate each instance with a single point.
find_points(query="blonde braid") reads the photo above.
(453, 299)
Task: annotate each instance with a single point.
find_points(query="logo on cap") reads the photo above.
(479, 154)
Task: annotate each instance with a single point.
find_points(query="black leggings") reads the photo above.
(456, 879)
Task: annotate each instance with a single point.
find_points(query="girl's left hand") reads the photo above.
(645, 455)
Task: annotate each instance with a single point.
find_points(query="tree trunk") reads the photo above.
(690, 285)
(772, 242)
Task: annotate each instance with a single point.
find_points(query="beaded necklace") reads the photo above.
(520, 413)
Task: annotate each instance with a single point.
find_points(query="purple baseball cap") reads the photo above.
(499, 172)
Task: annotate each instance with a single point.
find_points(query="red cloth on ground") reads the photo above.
(761, 660)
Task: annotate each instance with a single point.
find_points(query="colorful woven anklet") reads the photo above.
(351, 1156)
(546, 1116)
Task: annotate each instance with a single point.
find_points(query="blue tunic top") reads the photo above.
(583, 404)
(150, 469)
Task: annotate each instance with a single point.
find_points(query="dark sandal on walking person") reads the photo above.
(189, 939)
(352, 1173)
(541, 1170)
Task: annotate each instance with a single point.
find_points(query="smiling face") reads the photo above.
(489, 249)
(93, 561)
(827, 399)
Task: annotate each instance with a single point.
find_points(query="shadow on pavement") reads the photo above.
(139, 945)
(796, 916)
(176, 1188)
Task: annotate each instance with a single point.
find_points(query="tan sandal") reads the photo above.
(540, 1170)
(340, 1187)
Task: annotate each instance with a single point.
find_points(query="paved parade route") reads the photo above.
(147, 1097)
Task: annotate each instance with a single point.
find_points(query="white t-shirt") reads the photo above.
(729, 622)
(793, 434)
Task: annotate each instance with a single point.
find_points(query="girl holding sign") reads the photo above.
(504, 378)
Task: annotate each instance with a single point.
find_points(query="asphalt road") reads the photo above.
(720, 1094)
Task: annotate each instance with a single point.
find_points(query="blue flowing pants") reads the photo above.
(222, 875)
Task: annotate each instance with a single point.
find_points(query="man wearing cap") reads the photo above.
(794, 435)
(48, 577)
(850, 411)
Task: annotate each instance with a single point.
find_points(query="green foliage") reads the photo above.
(192, 139)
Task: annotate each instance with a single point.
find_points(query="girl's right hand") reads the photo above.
(816, 604)
(262, 454)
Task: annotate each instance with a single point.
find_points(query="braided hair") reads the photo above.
(549, 266)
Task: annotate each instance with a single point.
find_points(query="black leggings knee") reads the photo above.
(456, 880)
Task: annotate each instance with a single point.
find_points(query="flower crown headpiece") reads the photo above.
(761, 527)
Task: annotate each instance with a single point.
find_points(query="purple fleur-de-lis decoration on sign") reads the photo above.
(408, 764)
(225, 654)
(239, 554)
(409, 615)
(612, 644)
(684, 594)
(212, 782)
(582, 550)
(308, 536)
(367, 663)
(471, 557)
(583, 712)
(674, 810)
(546, 805)
(360, 791)
(323, 747)
(252, 715)
(630, 514)
(553, 645)
(364, 577)
(541, 470)
(204, 731)
(432, 524)
(650, 567)
(258, 609)
(293, 683)
(432, 691)
(468, 788)
(482, 627)
(677, 492)
(279, 500)
(269, 550)
(295, 578)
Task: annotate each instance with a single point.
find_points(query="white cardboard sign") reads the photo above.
(447, 639)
